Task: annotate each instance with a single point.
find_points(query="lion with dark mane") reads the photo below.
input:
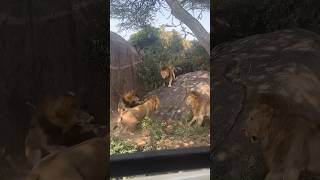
(129, 99)
(168, 75)
(56, 124)
(290, 141)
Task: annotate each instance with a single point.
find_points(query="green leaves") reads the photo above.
(120, 146)
(134, 14)
(162, 47)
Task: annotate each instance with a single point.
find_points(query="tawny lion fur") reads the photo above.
(290, 141)
(59, 111)
(167, 73)
(85, 161)
(51, 119)
(200, 106)
(132, 116)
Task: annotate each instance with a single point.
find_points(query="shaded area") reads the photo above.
(41, 51)
(284, 62)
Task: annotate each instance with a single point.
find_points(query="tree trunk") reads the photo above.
(184, 16)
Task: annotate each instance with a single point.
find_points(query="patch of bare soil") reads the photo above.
(168, 135)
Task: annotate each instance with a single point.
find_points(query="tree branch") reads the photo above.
(184, 16)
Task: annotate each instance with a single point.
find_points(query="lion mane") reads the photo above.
(200, 106)
(287, 137)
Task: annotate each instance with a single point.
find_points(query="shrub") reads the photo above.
(166, 48)
(120, 146)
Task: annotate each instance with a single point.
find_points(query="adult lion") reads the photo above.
(85, 161)
(168, 75)
(200, 106)
(130, 118)
(56, 124)
(290, 142)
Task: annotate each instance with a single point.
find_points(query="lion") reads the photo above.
(56, 124)
(290, 141)
(200, 106)
(132, 116)
(60, 111)
(167, 73)
(129, 99)
(86, 161)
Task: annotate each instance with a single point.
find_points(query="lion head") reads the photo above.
(130, 98)
(165, 72)
(61, 112)
(191, 97)
(257, 121)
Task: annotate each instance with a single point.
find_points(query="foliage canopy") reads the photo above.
(159, 47)
(135, 14)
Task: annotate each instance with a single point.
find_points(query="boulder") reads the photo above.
(123, 77)
(286, 63)
(172, 99)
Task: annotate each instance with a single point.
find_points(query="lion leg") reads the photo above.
(123, 129)
(200, 121)
(170, 82)
(194, 119)
(119, 124)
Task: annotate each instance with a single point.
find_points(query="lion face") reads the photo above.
(164, 74)
(190, 98)
(257, 119)
(130, 99)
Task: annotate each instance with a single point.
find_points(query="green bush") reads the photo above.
(155, 125)
(120, 146)
(148, 71)
(161, 48)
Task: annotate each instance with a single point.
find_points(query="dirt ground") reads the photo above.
(168, 128)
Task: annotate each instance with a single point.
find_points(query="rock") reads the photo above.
(172, 100)
(285, 62)
(123, 77)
